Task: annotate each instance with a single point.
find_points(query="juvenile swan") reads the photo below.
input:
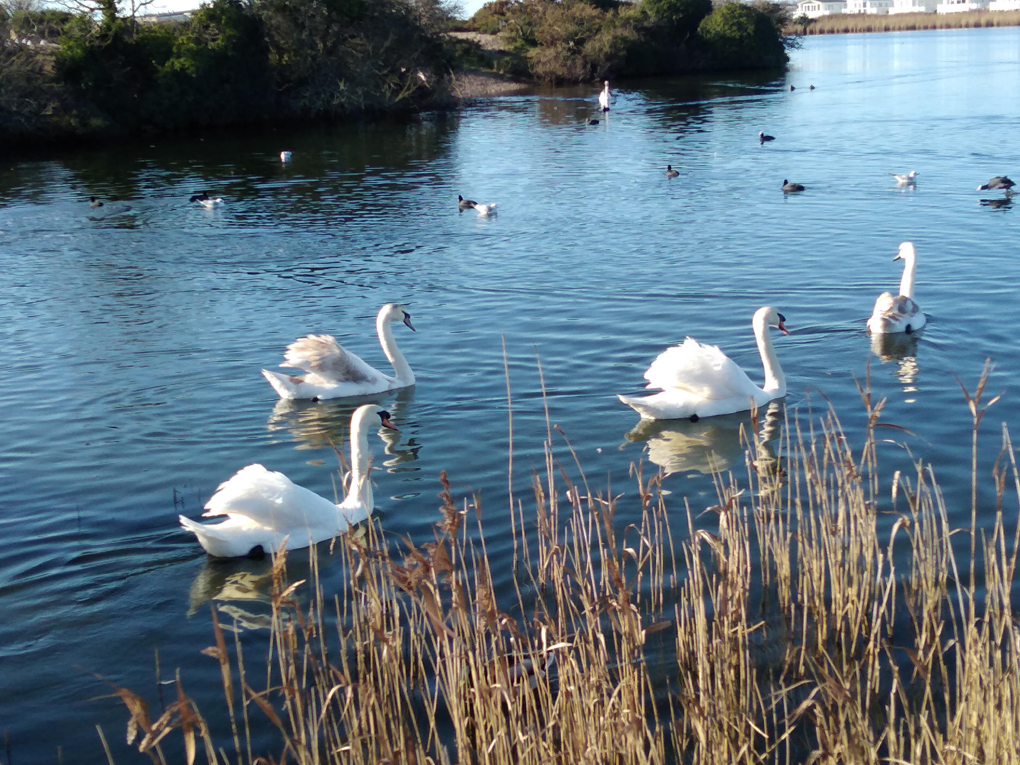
(701, 381)
(335, 372)
(263, 508)
(899, 313)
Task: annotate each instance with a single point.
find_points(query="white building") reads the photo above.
(917, 6)
(874, 7)
(961, 6)
(815, 8)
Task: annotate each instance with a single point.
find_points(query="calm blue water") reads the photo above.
(134, 338)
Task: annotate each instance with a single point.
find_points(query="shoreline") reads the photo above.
(850, 23)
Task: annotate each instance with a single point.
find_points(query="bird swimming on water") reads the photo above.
(464, 204)
(95, 202)
(670, 172)
(485, 211)
(788, 187)
(286, 156)
(998, 182)
(206, 201)
(604, 98)
(904, 178)
(762, 138)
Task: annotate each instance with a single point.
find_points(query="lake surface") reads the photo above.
(134, 337)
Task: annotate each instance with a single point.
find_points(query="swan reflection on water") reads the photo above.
(710, 445)
(239, 580)
(325, 424)
(900, 347)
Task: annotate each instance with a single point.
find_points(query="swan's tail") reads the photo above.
(226, 539)
(282, 384)
(207, 536)
(638, 405)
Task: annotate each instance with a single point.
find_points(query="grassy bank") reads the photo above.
(903, 22)
(816, 612)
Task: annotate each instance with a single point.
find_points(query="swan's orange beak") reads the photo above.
(385, 418)
(782, 326)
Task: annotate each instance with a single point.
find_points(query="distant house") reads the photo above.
(961, 6)
(915, 6)
(815, 8)
(874, 7)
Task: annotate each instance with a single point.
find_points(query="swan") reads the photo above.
(604, 98)
(335, 372)
(286, 156)
(899, 313)
(206, 201)
(670, 172)
(484, 211)
(264, 508)
(903, 179)
(762, 138)
(701, 381)
(998, 182)
(465, 204)
(791, 187)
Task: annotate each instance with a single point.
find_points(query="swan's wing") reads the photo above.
(269, 499)
(893, 310)
(323, 356)
(703, 370)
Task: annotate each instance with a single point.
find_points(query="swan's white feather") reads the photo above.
(329, 362)
(895, 313)
(700, 369)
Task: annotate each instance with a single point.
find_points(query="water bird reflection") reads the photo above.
(707, 446)
(901, 348)
(1001, 203)
(241, 580)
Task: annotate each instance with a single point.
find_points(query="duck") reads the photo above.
(266, 510)
(206, 201)
(998, 182)
(762, 138)
(286, 156)
(335, 372)
(699, 380)
(604, 97)
(95, 202)
(484, 211)
(465, 204)
(791, 187)
(590, 121)
(792, 88)
(903, 179)
(899, 313)
(670, 172)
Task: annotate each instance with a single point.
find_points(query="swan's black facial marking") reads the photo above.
(384, 417)
(694, 418)
(782, 318)
(909, 329)
(407, 322)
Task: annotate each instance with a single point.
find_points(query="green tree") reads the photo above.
(680, 18)
(743, 37)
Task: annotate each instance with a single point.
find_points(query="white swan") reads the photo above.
(286, 156)
(701, 381)
(604, 98)
(899, 313)
(335, 372)
(206, 201)
(263, 508)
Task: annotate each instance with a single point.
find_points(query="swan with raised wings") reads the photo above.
(264, 508)
(899, 313)
(700, 380)
(334, 372)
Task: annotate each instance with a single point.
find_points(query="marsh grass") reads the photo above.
(815, 613)
(849, 23)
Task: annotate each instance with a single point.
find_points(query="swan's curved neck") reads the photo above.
(384, 328)
(907, 282)
(361, 482)
(775, 380)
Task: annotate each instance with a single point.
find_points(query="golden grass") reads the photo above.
(848, 23)
(820, 617)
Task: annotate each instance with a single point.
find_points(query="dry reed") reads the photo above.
(852, 23)
(823, 618)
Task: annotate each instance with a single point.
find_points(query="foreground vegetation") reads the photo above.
(819, 615)
(901, 22)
